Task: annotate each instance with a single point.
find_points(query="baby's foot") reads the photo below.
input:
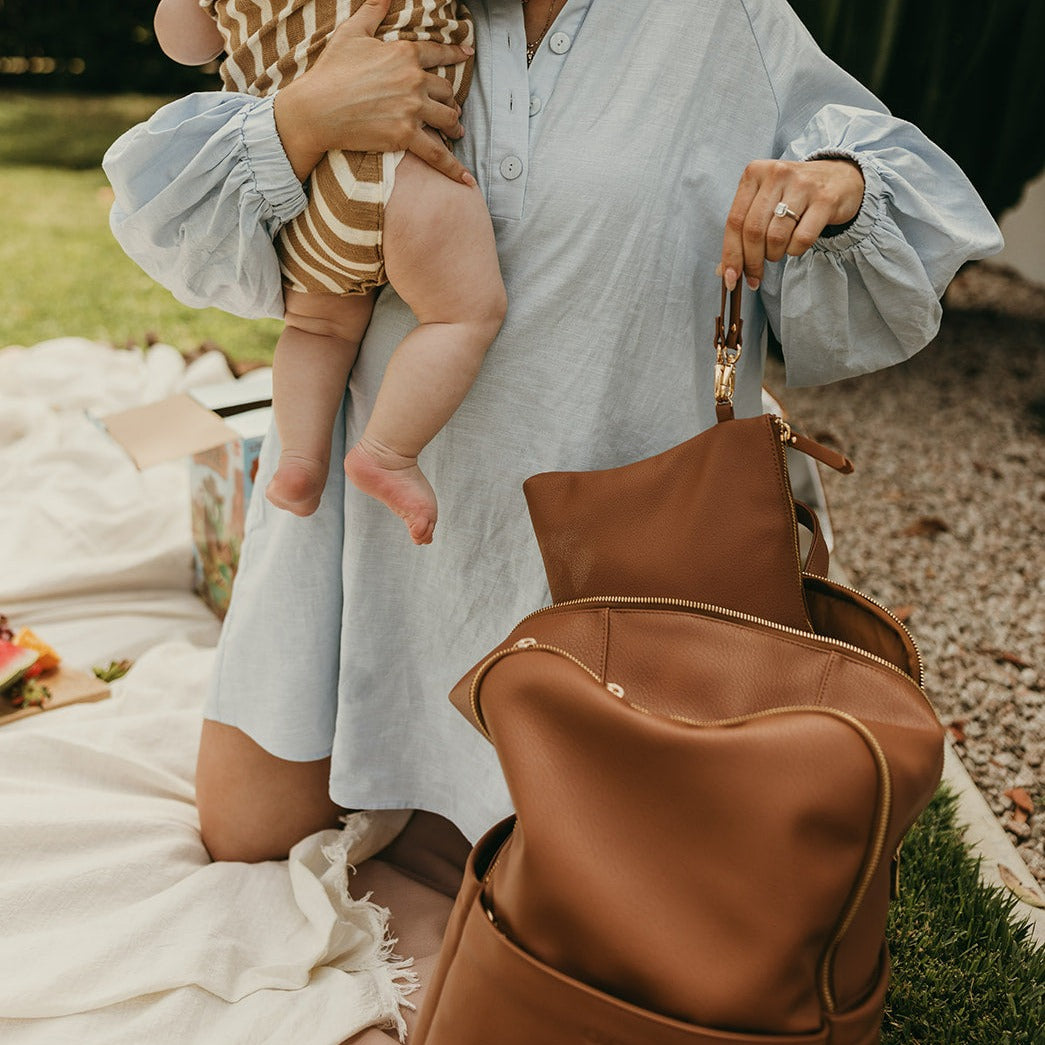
(397, 483)
(298, 484)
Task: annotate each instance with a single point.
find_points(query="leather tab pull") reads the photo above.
(832, 458)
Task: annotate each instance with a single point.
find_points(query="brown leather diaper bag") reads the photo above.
(714, 753)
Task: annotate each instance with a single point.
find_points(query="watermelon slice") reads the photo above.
(14, 662)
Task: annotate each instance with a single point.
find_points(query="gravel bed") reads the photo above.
(944, 522)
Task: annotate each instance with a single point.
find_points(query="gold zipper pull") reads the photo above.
(832, 458)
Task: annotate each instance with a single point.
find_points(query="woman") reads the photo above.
(609, 165)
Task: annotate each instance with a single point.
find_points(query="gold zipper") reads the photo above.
(484, 885)
(722, 611)
(889, 613)
(881, 812)
(522, 644)
(782, 427)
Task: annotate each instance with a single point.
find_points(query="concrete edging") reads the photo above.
(988, 840)
(983, 833)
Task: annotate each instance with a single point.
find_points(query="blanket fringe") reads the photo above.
(394, 974)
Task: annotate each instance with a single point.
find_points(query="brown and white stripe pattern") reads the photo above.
(334, 245)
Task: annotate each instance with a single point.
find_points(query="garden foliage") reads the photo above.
(95, 47)
(969, 74)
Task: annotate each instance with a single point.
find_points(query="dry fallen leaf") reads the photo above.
(1007, 657)
(827, 438)
(986, 469)
(1018, 889)
(957, 730)
(1020, 799)
(903, 613)
(926, 526)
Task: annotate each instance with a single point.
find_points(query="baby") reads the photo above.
(372, 218)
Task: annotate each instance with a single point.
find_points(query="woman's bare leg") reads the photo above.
(310, 369)
(441, 258)
(252, 805)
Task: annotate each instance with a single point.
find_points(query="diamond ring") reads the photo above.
(782, 210)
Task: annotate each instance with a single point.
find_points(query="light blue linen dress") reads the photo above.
(609, 166)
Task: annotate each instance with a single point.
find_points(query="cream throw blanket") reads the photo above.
(114, 925)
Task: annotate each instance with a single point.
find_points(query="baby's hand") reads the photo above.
(186, 33)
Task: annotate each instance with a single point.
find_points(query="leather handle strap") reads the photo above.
(818, 558)
(729, 335)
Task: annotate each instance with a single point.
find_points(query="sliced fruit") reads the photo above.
(49, 659)
(14, 662)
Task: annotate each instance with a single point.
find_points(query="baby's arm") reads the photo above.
(186, 32)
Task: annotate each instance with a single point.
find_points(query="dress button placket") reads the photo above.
(508, 113)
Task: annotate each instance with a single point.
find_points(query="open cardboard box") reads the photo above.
(220, 429)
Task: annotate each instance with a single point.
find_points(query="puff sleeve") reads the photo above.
(200, 190)
(868, 297)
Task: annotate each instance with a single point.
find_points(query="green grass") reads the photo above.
(64, 274)
(64, 130)
(965, 970)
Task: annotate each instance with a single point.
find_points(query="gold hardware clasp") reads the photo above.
(725, 379)
(725, 370)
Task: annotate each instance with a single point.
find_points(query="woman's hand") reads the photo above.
(370, 95)
(815, 193)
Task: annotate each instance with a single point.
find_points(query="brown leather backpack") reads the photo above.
(713, 755)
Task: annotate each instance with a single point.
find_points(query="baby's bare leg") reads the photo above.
(310, 369)
(441, 258)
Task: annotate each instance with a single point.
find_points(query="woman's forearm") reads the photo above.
(293, 115)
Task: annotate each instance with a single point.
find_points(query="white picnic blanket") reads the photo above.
(114, 925)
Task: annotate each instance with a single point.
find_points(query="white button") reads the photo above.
(559, 43)
(535, 105)
(511, 167)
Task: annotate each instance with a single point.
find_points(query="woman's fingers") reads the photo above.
(437, 155)
(806, 230)
(733, 241)
(434, 55)
(440, 110)
(810, 195)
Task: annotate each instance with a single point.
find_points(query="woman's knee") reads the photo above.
(252, 805)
